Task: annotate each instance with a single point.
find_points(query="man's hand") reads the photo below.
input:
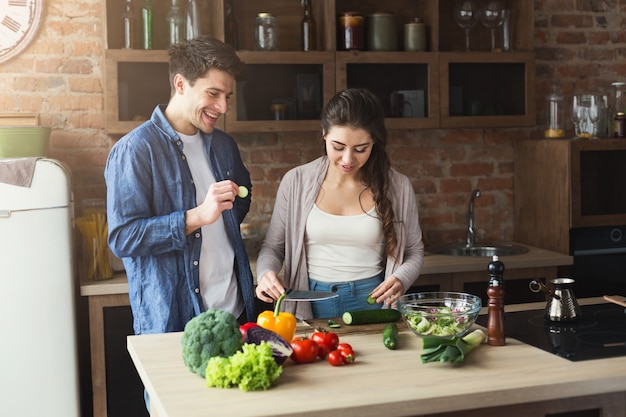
(220, 197)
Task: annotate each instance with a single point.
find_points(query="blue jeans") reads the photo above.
(352, 296)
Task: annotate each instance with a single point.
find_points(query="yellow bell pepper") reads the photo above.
(282, 323)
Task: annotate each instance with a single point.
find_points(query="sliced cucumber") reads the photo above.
(386, 315)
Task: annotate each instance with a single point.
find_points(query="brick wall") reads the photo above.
(580, 45)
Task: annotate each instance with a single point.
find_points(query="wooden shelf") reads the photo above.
(460, 89)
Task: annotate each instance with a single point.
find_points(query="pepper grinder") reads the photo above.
(495, 292)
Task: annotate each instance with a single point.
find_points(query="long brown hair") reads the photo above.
(360, 108)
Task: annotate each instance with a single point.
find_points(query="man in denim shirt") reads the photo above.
(172, 198)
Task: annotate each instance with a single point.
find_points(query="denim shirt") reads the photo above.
(149, 189)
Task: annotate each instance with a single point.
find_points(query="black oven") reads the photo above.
(599, 260)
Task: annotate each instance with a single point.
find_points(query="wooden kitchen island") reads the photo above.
(446, 273)
(515, 380)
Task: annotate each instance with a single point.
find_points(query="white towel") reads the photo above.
(17, 171)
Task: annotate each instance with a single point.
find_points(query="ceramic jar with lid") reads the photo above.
(381, 32)
(415, 35)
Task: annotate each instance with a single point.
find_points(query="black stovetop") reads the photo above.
(599, 333)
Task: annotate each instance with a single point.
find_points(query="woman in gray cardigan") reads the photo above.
(346, 222)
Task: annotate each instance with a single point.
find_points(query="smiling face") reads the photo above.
(199, 106)
(348, 149)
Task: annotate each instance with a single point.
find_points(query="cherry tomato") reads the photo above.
(304, 350)
(330, 339)
(346, 352)
(344, 346)
(335, 358)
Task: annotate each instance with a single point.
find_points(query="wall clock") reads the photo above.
(19, 22)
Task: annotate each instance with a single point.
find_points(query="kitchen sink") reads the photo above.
(478, 249)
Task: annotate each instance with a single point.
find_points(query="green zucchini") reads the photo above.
(385, 315)
(390, 336)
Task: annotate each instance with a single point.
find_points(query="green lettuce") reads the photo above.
(251, 369)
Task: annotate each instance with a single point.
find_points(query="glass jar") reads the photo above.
(556, 114)
(350, 32)
(266, 32)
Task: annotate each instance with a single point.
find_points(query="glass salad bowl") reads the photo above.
(444, 314)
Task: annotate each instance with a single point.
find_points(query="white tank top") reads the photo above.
(218, 283)
(343, 248)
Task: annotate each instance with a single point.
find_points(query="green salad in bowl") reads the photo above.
(443, 314)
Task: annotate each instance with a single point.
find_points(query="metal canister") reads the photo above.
(381, 32)
(350, 31)
(266, 32)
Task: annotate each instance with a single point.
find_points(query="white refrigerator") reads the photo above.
(38, 344)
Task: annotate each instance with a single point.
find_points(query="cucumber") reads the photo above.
(386, 315)
(370, 299)
(390, 336)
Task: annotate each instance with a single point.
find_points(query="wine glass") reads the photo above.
(492, 17)
(585, 113)
(466, 15)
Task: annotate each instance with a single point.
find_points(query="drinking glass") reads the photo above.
(585, 113)
(466, 15)
(492, 18)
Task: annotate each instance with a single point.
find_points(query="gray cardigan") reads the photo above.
(284, 240)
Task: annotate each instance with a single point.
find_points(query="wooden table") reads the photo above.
(438, 269)
(512, 380)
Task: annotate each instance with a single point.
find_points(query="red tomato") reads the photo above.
(346, 352)
(335, 358)
(323, 351)
(304, 350)
(344, 346)
(330, 339)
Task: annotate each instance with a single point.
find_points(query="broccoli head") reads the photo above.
(211, 333)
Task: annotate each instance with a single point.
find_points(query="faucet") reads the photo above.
(471, 235)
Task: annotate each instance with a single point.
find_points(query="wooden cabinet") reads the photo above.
(444, 88)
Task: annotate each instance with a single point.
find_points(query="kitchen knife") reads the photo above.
(298, 295)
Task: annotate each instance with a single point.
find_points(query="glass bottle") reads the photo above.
(230, 25)
(146, 23)
(506, 30)
(193, 20)
(266, 33)
(309, 36)
(128, 19)
(175, 23)
(556, 114)
(617, 106)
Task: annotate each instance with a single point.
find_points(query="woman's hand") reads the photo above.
(269, 287)
(389, 291)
